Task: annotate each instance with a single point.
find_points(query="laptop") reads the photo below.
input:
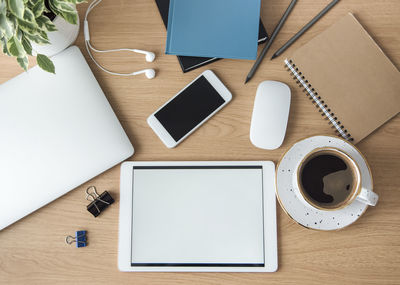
(56, 132)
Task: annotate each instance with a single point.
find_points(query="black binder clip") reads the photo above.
(79, 239)
(99, 203)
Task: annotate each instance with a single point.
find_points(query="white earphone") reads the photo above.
(150, 56)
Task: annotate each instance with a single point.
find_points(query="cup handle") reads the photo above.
(368, 197)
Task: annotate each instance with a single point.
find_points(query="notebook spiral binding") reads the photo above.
(317, 100)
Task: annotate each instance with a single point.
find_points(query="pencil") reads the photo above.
(305, 28)
(269, 43)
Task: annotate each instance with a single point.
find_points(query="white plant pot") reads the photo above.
(65, 36)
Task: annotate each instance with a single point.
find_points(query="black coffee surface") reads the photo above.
(327, 179)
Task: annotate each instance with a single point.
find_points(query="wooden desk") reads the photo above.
(32, 251)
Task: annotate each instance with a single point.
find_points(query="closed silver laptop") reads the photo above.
(56, 132)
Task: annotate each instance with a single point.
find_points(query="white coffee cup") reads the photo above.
(357, 192)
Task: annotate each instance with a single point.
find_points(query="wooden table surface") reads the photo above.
(33, 251)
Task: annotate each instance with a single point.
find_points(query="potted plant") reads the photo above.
(29, 27)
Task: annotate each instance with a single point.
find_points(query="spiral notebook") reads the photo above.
(349, 78)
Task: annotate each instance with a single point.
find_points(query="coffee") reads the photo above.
(327, 179)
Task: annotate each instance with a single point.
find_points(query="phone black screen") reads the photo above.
(189, 108)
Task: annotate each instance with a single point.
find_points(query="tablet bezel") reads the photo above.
(125, 219)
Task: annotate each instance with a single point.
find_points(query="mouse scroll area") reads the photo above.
(270, 115)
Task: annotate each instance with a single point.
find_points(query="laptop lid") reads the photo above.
(57, 132)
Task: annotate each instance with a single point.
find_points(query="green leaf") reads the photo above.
(15, 47)
(65, 9)
(29, 16)
(46, 10)
(26, 44)
(23, 62)
(6, 26)
(32, 3)
(45, 24)
(37, 38)
(12, 20)
(71, 18)
(3, 7)
(53, 7)
(16, 7)
(19, 34)
(27, 27)
(4, 45)
(45, 63)
(64, 6)
(28, 24)
(38, 8)
(42, 33)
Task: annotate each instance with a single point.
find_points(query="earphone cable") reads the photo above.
(89, 47)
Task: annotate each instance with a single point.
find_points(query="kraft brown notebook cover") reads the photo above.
(350, 79)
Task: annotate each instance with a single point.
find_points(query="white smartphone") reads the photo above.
(189, 109)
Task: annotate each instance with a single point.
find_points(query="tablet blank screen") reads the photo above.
(197, 216)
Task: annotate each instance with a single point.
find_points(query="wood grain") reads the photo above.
(32, 251)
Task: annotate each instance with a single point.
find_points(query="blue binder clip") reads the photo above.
(79, 239)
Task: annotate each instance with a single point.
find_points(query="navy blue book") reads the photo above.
(188, 62)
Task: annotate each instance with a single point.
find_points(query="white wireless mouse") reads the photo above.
(270, 115)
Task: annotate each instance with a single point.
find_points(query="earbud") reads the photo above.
(150, 73)
(150, 56)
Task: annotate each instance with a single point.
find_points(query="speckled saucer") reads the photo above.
(309, 217)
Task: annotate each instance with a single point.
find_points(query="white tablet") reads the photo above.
(198, 216)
